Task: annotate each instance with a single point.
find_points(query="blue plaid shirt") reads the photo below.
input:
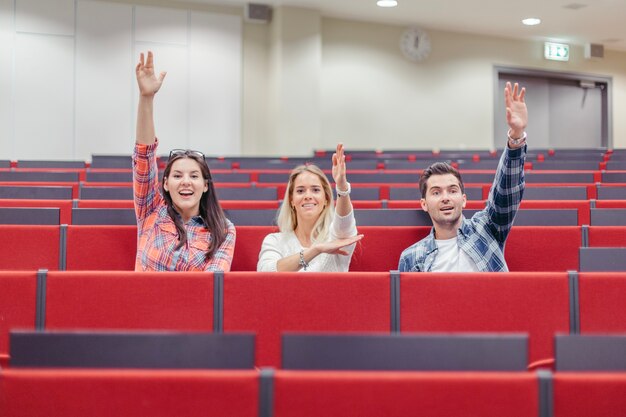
(482, 237)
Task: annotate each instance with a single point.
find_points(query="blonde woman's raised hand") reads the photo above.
(339, 168)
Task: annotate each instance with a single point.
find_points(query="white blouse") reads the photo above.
(279, 245)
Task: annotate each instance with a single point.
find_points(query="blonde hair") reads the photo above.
(287, 220)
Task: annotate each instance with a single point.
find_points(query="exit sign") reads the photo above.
(556, 51)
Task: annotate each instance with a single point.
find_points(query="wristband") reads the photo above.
(304, 264)
(517, 141)
(343, 193)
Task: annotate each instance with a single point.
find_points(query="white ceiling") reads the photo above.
(571, 21)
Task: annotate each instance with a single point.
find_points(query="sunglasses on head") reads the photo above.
(187, 152)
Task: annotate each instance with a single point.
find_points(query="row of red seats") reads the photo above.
(540, 304)
(131, 393)
(75, 247)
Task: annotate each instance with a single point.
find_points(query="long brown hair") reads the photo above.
(210, 210)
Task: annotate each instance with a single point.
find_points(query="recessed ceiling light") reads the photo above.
(531, 21)
(386, 3)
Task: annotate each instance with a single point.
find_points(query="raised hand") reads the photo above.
(148, 83)
(336, 246)
(339, 168)
(516, 112)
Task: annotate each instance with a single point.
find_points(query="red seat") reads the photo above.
(533, 303)
(543, 248)
(108, 247)
(400, 394)
(29, 247)
(128, 393)
(589, 394)
(271, 303)
(129, 300)
(601, 302)
(18, 294)
(381, 246)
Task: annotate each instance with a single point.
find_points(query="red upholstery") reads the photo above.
(101, 247)
(271, 303)
(400, 394)
(248, 246)
(533, 303)
(607, 236)
(589, 394)
(130, 300)
(65, 206)
(543, 248)
(28, 247)
(18, 293)
(610, 203)
(380, 248)
(601, 302)
(128, 393)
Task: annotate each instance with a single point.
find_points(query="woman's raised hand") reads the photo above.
(339, 168)
(148, 83)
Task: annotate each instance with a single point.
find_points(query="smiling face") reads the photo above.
(185, 185)
(308, 197)
(444, 201)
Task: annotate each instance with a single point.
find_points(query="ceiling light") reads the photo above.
(531, 21)
(386, 3)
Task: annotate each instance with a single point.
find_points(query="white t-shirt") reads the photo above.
(279, 245)
(450, 258)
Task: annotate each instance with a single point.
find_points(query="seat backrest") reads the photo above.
(395, 394)
(272, 303)
(543, 248)
(181, 301)
(381, 246)
(606, 236)
(405, 352)
(130, 393)
(30, 215)
(608, 217)
(532, 303)
(105, 193)
(248, 246)
(18, 295)
(590, 352)
(583, 394)
(36, 192)
(602, 259)
(100, 248)
(103, 216)
(555, 193)
(27, 247)
(140, 350)
(601, 302)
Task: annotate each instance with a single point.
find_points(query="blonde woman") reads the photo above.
(315, 234)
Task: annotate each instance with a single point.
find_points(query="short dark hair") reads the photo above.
(438, 168)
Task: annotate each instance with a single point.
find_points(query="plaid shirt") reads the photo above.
(482, 237)
(157, 236)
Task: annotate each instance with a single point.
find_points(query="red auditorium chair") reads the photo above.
(128, 393)
(269, 304)
(543, 248)
(101, 247)
(129, 300)
(607, 236)
(533, 303)
(18, 295)
(584, 394)
(29, 247)
(601, 302)
(400, 394)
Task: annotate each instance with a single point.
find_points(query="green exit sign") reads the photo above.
(556, 51)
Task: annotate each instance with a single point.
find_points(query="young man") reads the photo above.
(456, 244)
